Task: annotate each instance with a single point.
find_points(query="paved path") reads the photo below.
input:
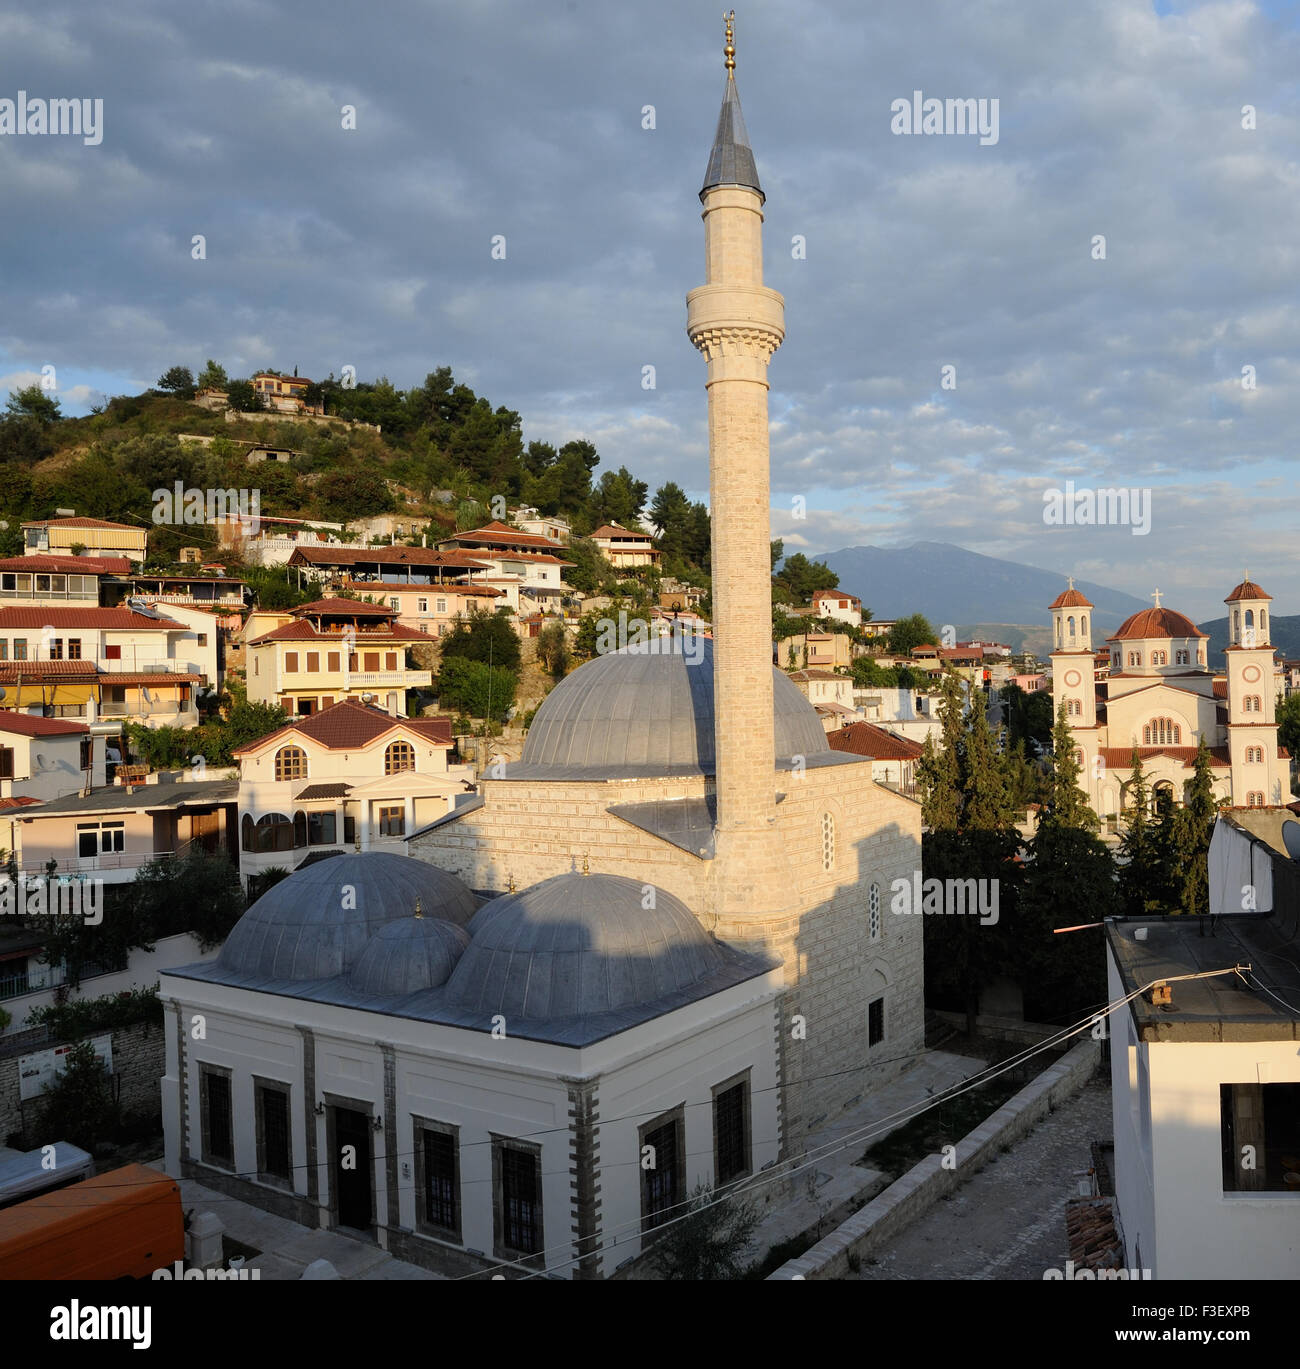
(1008, 1221)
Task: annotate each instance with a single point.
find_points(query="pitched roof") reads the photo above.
(1121, 757)
(79, 523)
(866, 739)
(156, 677)
(1248, 589)
(20, 800)
(52, 616)
(302, 631)
(337, 607)
(815, 674)
(86, 565)
(40, 670)
(613, 530)
(496, 531)
(347, 725)
(384, 556)
(336, 790)
(1155, 622)
(29, 725)
(423, 587)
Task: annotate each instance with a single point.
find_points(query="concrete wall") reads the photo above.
(923, 1185)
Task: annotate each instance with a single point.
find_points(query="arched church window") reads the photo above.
(1070, 625)
(291, 763)
(1254, 755)
(1159, 658)
(1251, 704)
(1083, 625)
(1135, 658)
(1250, 617)
(1263, 620)
(1236, 620)
(1181, 658)
(1254, 799)
(828, 842)
(1162, 732)
(873, 912)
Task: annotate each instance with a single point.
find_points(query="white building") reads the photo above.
(1206, 1086)
(47, 758)
(834, 603)
(348, 774)
(905, 712)
(499, 1070)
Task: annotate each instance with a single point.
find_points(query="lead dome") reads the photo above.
(316, 923)
(648, 710)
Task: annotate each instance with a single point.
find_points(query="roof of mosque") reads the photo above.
(571, 960)
(731, 161)
(647, 710)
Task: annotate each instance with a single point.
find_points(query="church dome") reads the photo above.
(1248, 589)
(1070, 598)
(316, 923)
(576, 945)
(1156, 622)
(409, 955)
(648, 710)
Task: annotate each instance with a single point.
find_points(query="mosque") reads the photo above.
(651, 955)
(1158, 694)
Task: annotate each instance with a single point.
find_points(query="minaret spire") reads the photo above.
(737, 323)
(730, 49)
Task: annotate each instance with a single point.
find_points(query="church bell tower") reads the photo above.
(737, 323)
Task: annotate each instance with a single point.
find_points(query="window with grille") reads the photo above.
(1252, 704)
(873, 911)
(1254, 754)
(440, 1186)
(875, 1021)
(1158, 658)
(521, 1200)
(828, 842)
(1255, 799)
(273, 1133)
(731, 1133)
(399, 756)
(290, 763)
(660, 1185)
(219, 1145)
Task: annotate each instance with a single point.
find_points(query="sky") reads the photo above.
(372, 246)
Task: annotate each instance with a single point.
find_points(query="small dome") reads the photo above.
(316, 923)
(1070, 598)
(1156, 622)
(575, 945)
(1248, 589)
(408, 955)
(648, 710)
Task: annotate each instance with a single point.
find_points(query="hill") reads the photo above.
(949, 584)
(1283, 632)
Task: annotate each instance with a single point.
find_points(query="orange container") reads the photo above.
(123, 1224)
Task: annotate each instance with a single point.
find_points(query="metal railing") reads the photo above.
(120, 708)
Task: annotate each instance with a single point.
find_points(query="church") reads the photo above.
(655, 953)
(1154, 690)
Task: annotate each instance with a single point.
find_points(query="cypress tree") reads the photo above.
(1140, 873)
(1067, 805)
(1192, 827)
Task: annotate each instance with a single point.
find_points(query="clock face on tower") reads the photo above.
(1250, 674)
(1072, 678)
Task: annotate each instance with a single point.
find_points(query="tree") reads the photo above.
(353, 492)
(199, 893)
(78, 1103)
(241, 395)
(710, 1240)
(938, 772)
(590, 571)
(1193, 826)
(212, 377)
(913, 631)
(1066, 805)
(619, 498)
(803, 577)
(486, 637)
(474, 687)
(553, 648)
(33, 402)
(1288, 724)
(177, 380)
(1140, 882)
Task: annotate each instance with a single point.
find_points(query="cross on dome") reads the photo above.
(1156, 596)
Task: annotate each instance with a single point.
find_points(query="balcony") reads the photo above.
(402, 679)
(123, 708)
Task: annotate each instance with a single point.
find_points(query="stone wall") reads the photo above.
(923, 1185)
(815, 919)
(138, 1066)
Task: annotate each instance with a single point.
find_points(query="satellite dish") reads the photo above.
(43, 763)
(1291, 838)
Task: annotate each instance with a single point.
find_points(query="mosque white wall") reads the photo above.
(483, 1086)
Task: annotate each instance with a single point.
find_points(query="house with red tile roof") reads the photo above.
(47, 758)
(835, 603)
(1160, 696)
(350, 775)
(625, 548)
(535, 564)
(893, 758)
(96, 536)
(334, 649)
(68, 580)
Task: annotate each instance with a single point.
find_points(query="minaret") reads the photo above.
(737, 324)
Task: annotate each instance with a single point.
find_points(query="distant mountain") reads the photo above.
(1284, 633)
(949, 584)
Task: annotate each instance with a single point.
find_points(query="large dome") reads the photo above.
(1155, 622)
(648, 710)
(576, 945)
(316, 923)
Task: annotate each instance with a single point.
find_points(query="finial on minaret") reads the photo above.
(730, 50)
(1156, 596)
(510, 885)
(586, 867)
(419, 912)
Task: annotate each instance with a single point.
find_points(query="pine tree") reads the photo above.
(939, 772)
(1140, 879)
(1066, 805)
(1192, 827)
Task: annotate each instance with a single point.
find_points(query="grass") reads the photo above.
(944, 1125)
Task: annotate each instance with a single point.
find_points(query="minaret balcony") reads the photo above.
(746, 320)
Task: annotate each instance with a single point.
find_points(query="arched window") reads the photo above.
(1071, 707)
(399, 756)
(299, 829)
(1254, 755)
(1159, 658)
(1254, 799)
(246, 832)
(1181, 658)
(1070, 625)
(274, 832)
(291, 763)
(1250, 617)
(1083, 625)
(1252, 704)
(1162, 732)
(873, 912)
(1236, 620)
(1078, 756)
(828, 842)
(1115, 660)
(1263, 620)
(1135, 658)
